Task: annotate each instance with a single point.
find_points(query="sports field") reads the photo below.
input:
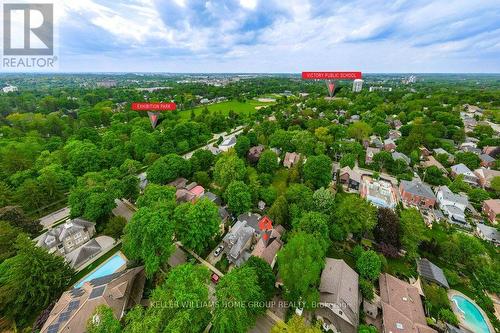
(246, 108)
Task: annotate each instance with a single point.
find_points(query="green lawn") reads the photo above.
(246, 108)
(280, 181)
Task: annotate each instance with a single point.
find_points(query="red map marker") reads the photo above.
(331, 87)
(153, 118)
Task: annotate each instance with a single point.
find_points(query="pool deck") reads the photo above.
(459, 315)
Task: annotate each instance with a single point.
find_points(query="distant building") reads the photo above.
(291, 159)
(402, 308)
(400, 156)
(339, 297)
(187, 192)
(487, 161)
(120, 291)
(488, 233)
(106, 84)
(9, 89)
(389, 145)
(462, 170)
(379, 192)
(485, 176)
(491, 208)
(379, 88)
(228, 143)
(370, 153)
(417, 193)
(357, 85)
(254, 153)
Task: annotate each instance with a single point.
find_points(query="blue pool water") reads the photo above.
(108, 267)
(473, 316)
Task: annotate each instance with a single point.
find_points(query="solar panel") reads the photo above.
(64, 316)
(73, 305)
(54, 328)
(97, 291)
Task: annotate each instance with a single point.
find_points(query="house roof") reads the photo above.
(372, 151)
(490, 233)
(402, 309)
(431, 161)
(212, 197)
(493, 204)
(432, 272)
(441, 151)
(119, 291)
(486, 158)
(267, 250)
(453, 197)
(290, 159)
(83, 253)
(461, 169)
(487, 174)
(230, 141)
(417, 187)
(397, 154)
(353, 175)
(237, 238)
(251, 219)
(339, 286)
(56, 235)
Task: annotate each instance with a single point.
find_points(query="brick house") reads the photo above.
(492, 209)
(417, 193)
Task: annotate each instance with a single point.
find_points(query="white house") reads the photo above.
(453, 205)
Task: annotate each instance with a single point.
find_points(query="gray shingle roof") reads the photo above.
(486, 158)
(460, 169)
(416, 187)
(450, 196)
(432, 272)
(84, 253)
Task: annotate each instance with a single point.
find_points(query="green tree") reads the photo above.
(242, 146)
(168, 168)
(155, 194)
(366, 288)
(202, 160)
(114, 227)
(495, 184)
(369, 265)
(367, 329)
(348, 159)
(16, 217)
(268, 162)
(239, 286)
(470, 159)
(148, 237)
(324, 201)
(387, 230)
(8, 236)
(359, 130)
(296, 324)
(103, 321)
(412, 231)
(279, 211)
(238, 197)
(228, 168)
(265, 276)
(318, 171)
(300, 263)
(32, 271)
(355, 215)
(197, 223)
(448, 316)
(314, 223)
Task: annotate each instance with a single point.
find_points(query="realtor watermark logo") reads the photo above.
(28, 36)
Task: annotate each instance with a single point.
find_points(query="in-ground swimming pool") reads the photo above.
(108, 267)
(471, 314)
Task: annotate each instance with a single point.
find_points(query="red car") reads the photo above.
(215, 278)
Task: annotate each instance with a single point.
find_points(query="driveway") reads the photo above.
(123, 210)
(213, 259)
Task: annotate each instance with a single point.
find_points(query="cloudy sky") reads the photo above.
(279, 35)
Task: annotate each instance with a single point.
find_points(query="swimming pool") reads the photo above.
(108, 267)
(471, 314)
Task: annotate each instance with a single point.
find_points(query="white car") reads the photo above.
(218, 250)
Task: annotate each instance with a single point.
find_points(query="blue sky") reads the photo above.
(279, 35)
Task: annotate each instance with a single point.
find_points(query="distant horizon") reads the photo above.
(240, 73)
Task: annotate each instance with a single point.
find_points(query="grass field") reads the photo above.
(246, 108)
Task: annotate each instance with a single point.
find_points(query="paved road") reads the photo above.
(201, 260)
(48, 220)
(122, 209)
(225, 135)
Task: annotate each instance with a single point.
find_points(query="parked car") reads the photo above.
(215, 278)
(218, 250)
